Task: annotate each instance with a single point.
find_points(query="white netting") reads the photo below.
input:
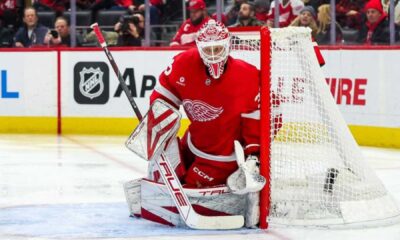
(318, 175)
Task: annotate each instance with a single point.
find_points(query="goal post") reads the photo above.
(316, 173)
(265, 113)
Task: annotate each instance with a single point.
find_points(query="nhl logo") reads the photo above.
(91, 84)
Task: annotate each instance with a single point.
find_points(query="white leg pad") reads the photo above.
(132, 194)
(157, 205)
(252, 216)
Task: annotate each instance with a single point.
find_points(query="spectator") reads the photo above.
(348, 13)
(324, 26)
(101, 4)
(261, 8)
(316, 3)
(246, 16)
(156, 8)
(307, 19)
(7, 6)
(156, 3)
(61, 35)
(96, 5)
(6, 36)
(59, 6)
(8, 15)
(223, 18)
(186, 34)
(130, 30)
(31, 33)
(386, 3)
(288, 11)
(84, 4)
(169, 9)
(397, 14)
(233, 12)
(376, 28)
(123, 5)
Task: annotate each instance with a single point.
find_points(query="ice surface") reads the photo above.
(70, 187)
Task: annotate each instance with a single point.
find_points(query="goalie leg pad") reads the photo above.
(158, 206)
(252, 216)
(132, 195)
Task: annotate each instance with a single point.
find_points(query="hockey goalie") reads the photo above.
(216, 161)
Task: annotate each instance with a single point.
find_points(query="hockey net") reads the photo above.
(316, 173)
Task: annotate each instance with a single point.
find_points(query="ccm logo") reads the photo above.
(171, 181)
(202, 174)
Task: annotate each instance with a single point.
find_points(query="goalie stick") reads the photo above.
(191, 218)
(128, 94)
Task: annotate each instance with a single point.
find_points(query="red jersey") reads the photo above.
(220, 110)
(287, 13)
(262, 16)
(156, 2)
(186, 34)
(124, 3)
(58, 6)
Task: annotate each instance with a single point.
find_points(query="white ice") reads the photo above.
(70, 187)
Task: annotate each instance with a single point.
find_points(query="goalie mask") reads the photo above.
(213, 43)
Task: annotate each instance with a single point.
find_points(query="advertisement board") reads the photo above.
(365, 85)
(92, 97)
(28, 91)
(363, 82)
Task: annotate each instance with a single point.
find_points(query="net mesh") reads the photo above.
(318, 175)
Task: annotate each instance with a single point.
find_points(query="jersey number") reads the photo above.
(169, 69)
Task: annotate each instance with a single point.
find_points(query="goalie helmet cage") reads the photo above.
(316, 173)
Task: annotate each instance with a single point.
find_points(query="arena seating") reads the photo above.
(83, 18)
(349, 35)
(108, 18)
(47, 18)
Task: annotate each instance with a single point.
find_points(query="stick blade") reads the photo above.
(201, 222)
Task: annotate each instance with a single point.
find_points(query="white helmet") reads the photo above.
(213, 41)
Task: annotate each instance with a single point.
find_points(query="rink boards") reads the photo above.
(75, 91)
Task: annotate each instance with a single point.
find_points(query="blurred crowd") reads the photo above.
(46, 22)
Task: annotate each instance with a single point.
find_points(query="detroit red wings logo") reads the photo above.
(201, 111)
